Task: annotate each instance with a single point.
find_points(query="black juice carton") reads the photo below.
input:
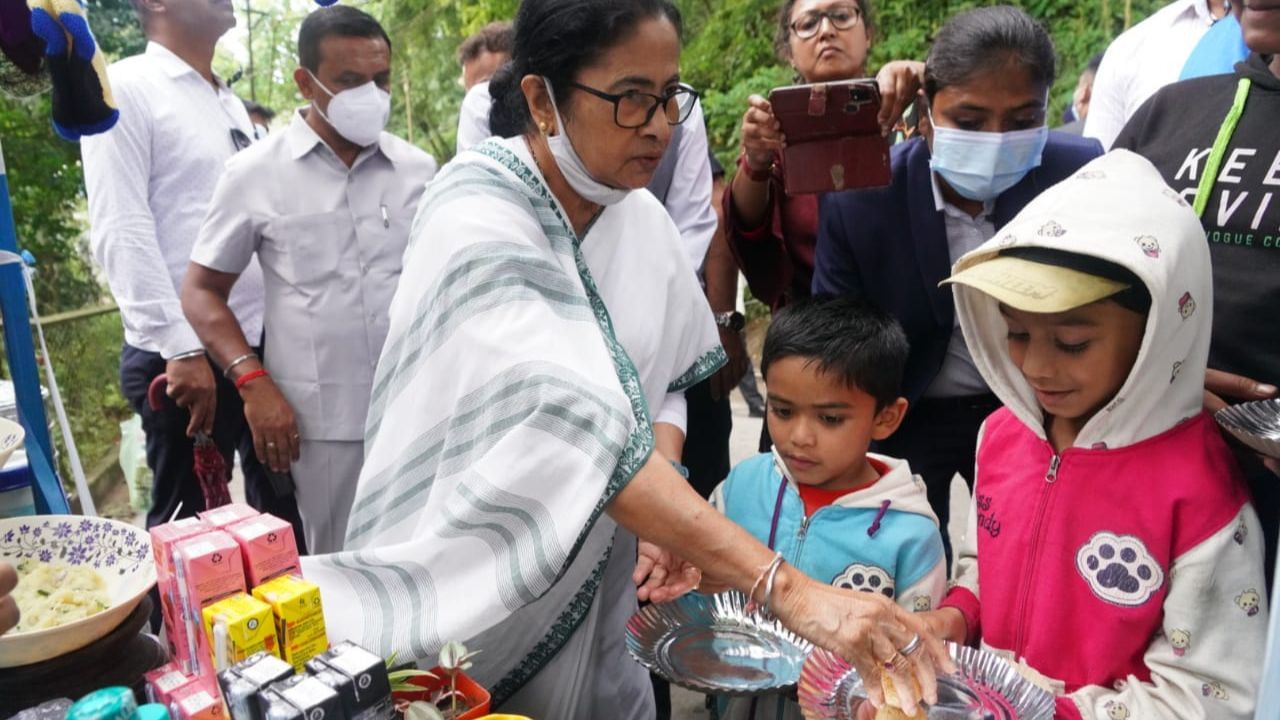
(301, 697)
(242, 683)
(359, 677)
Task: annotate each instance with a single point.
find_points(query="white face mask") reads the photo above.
(358, 114)
(575, 173)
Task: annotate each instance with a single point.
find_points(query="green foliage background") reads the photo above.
(728, 55)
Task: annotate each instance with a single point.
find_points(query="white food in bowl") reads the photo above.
(49, 595)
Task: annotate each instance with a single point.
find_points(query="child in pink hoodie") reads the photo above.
(1112, 551)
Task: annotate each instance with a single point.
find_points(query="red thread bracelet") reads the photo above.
(250, 376)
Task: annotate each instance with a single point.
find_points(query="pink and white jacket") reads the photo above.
(1126, 570)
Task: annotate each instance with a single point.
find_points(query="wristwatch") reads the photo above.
(732, 320)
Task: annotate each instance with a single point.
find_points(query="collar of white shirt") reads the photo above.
(303, 139)
(942, 205)
(173, 65)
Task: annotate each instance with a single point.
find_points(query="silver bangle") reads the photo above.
(768, 585)
(226, 373)
(188, 354)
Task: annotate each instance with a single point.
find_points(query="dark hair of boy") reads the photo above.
(989, 38)
(335, 20)
(496, 37)
(851, 340)
(557, 39)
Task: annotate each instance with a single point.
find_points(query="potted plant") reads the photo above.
(445, 692)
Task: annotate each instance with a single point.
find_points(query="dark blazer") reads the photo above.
(889, 245)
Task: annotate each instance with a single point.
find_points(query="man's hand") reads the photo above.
(728, 377)
(8, 606)
(660, 576)
(1221, 387)
(191, 385)
(275, 431)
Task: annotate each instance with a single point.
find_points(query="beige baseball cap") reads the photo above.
(1041, 280)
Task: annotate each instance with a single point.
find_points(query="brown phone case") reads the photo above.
(833, 136)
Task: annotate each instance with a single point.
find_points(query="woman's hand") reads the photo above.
(1219, 387)
(662, 576)
(900, 82)
(762, 137)
(868, 630)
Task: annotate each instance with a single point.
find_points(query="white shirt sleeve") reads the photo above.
(1207, 663)
(1107, 115)
(473, 118)
(122, 234)
(674, 411)
(229, 236)
(689, 201)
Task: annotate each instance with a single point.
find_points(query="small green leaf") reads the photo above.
(453, 655)
(420, 710)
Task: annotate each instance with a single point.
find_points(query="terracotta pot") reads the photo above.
(476, 696)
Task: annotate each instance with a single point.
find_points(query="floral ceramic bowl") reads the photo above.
(11, 434)
(119, 552)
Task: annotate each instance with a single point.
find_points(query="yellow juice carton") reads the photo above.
(237, 627)
(299, 618)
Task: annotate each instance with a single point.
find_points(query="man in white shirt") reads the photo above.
(325, 206)
(1145, 58)
(149, 181)
(488, 49)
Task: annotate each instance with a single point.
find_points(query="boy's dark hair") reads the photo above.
(557, 39)
(493, 38)
(339, 20)
(987, 38)
(854, 341)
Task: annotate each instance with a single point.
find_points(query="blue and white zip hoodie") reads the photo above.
(883, 538)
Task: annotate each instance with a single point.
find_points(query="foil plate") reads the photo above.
(712, 644)
(1256, 424)
(986, 688)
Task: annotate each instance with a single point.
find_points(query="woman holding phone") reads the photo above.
(772, 234)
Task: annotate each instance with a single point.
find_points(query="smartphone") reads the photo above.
(833, 136)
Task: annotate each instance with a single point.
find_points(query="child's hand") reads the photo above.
(947, 623)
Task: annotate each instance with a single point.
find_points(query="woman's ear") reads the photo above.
(538, 98)
(888, 419)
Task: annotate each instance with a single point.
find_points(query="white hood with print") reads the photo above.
(1116, 208)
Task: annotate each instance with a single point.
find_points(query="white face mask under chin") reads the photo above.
(571, 166)
(358, 114)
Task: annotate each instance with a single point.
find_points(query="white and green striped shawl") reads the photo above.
(511, 403)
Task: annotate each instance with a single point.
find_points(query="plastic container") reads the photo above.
(16, 496)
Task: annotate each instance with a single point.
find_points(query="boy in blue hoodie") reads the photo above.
(833, 370)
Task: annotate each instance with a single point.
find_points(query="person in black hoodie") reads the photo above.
(1215, 141)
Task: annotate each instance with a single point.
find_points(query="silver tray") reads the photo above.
(986, 688)
(1256, 424)
(712, 644)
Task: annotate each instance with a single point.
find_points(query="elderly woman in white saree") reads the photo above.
(529, 400)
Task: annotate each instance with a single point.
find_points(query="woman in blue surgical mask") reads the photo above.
(985, 154)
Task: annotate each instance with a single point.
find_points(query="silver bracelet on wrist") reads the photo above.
(766, 576)
(226, 373)
(188, 354)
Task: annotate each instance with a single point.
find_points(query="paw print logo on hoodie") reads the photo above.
(865, 578)
(1119, 569)
(1249, 602)
(1214, 690)
(1149, 245)
(1052, 229)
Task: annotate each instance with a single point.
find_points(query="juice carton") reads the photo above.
(243, 681)
(237, 627)
(198, 700)
(165, 537)
(164, 681)
(299, 617)
(220, 517)
(267, 546)
(208, 569)
(300, 697)
(359, 677)
(174, 625)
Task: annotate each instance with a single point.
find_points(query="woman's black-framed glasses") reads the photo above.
(633, 109)
(842, 17)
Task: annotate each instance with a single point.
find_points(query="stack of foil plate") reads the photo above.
(1256, 424)
(714, 644)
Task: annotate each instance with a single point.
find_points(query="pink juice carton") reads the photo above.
(267, 547)
(221, 517)
(164, 681)
(164, 537)
(198, 700)
(207, 568)
(163, 540)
